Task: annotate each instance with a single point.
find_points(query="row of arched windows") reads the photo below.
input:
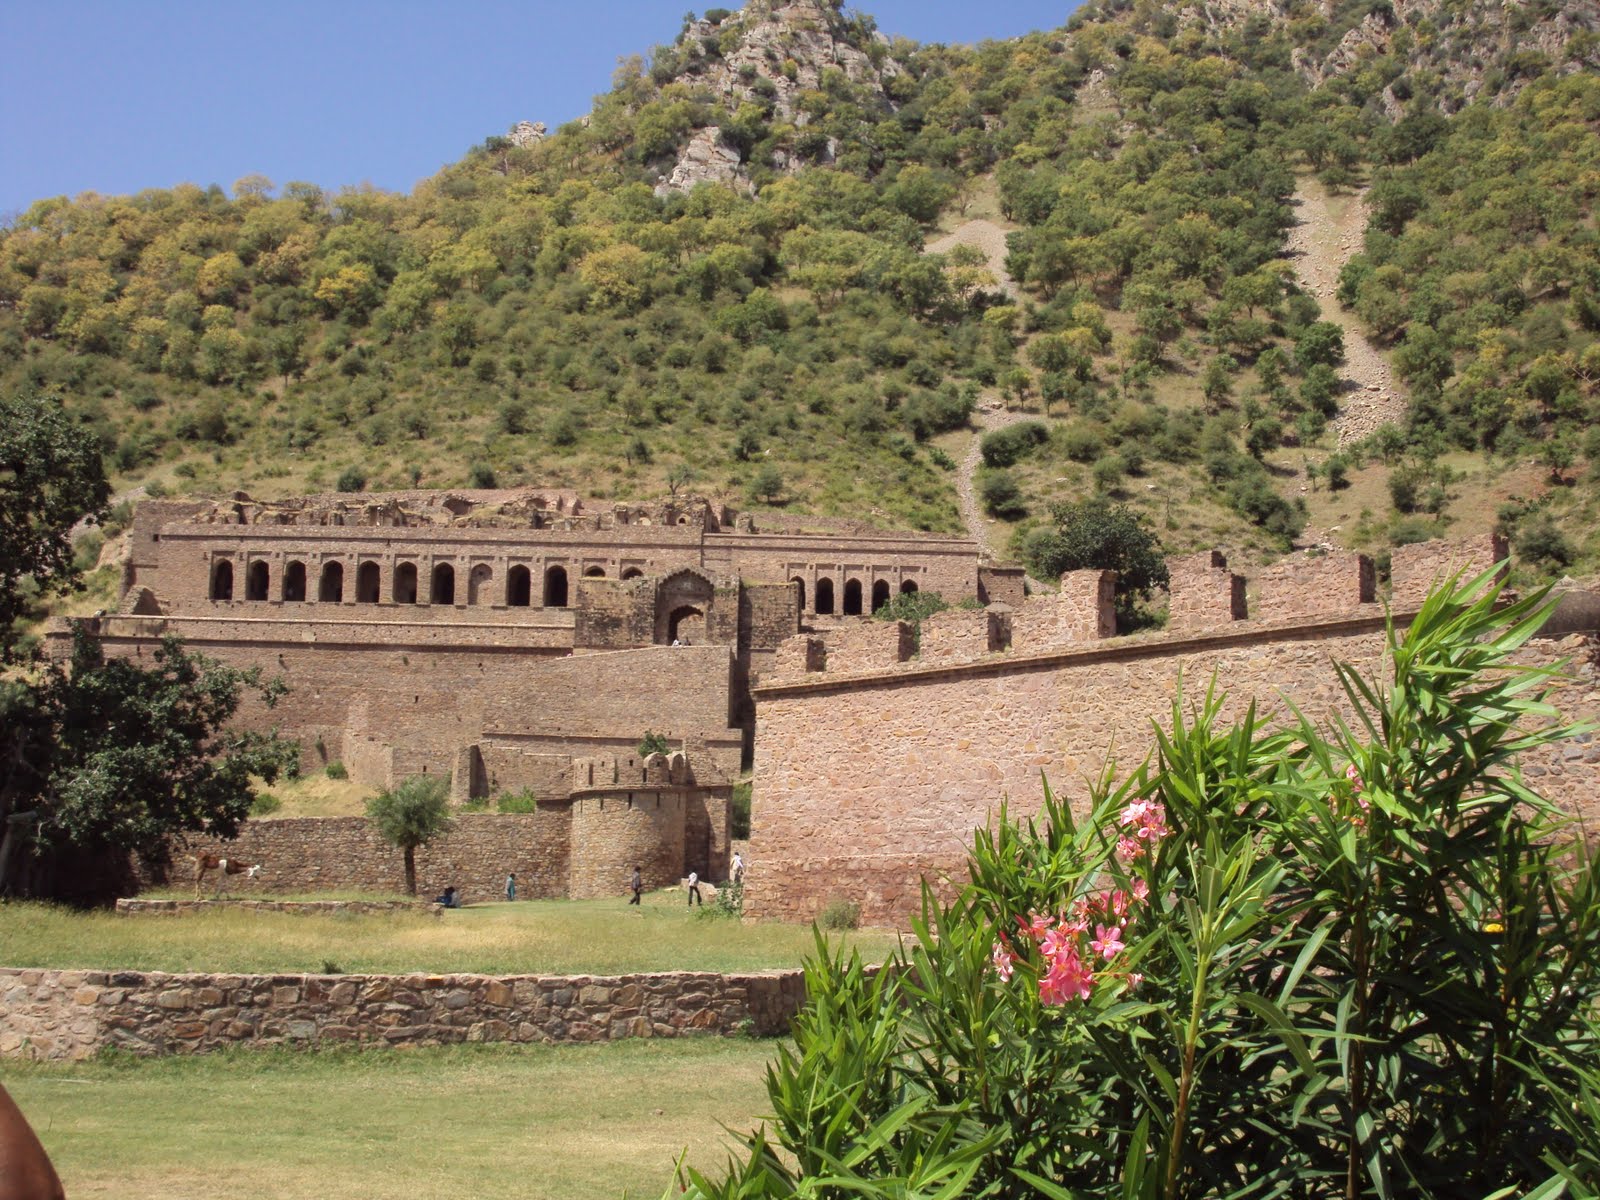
(405, 586)
(851, 605)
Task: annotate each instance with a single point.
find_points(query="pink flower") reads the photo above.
(1003, 960)
(1354, 776)
(1068, 979)
(1134, 813)
(1059, 941)
(1036, 925)
(1119, 902)
(1107, 941)
(1135, 979)
(1128, 847)
(1141, 889)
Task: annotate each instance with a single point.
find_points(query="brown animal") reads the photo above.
(25, 1170)
(224, 867)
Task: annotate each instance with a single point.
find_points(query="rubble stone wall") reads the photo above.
(73, 1014)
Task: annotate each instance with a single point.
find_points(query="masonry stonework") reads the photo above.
(74, 1014)
(869, 781)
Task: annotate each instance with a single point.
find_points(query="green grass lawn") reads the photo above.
(590, 937)
(565, 1122)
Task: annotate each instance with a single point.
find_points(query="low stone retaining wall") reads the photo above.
(171, 908)
(47, 1014)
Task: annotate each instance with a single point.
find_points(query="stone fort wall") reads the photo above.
(869, 779)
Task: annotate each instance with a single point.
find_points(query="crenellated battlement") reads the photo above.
(1204, 597)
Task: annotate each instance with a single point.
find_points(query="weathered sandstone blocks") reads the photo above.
(1081, 612)
(1314, 585)
(1202, 593)
(1414, 570)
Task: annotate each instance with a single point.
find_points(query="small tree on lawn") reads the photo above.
(411, 815)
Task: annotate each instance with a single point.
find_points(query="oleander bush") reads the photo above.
(1298, 960)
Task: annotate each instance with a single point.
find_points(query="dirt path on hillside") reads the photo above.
(1327, 235)
(991, 412)
(987, 237)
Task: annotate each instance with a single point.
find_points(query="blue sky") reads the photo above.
(118, 95)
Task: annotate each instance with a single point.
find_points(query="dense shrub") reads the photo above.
(1005, 447)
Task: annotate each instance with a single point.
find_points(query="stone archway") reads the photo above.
(684, 605)
(686, 626)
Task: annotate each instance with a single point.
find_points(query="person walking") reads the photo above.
(636, 882)
(511, 886)
(738, 868)
(694, 891)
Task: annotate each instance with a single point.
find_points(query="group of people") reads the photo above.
(451, 897)
(735, 874)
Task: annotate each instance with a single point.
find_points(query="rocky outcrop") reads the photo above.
(769, 55)
(706, 159)
(527, 133)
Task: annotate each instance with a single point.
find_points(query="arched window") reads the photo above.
(405, 583)
(368, 577)
(880, 594)
(686, 626)
(908, 588)
(294, 582)
(800, 586)
(594, 573)
(631, 573)
(852, 598)
(444, 585)
(825, 597)
(257, 581)
(555, 587)
(478, 584)
(331, 589)
(222, 581)
(519, 587)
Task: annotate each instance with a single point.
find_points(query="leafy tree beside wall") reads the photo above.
(410, 816)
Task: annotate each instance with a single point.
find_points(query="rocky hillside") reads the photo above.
(722, 275)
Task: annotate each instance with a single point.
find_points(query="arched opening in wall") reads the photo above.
(331, 589)
(687, 626)
(478, 584)
(444, 585)
(852, 597)
(294, 582)
(880, 594)
(800, 589)
(825, 597)
(632, 573)
(405, 583)
(908, 588)
(594, 572)
(555, 587)
(368, 575)
(519, 587)
(222, 581)
(257, 581)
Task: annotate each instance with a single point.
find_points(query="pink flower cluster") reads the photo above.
(1143, 823)
(1070, 945)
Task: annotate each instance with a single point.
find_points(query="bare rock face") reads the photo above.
(706, 159)
(769, 55)
(527, 133)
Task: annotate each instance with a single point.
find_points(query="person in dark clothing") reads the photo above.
(448, 899)
(694, 891)
(637, 884)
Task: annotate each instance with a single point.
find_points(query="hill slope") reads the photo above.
(721, 273)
